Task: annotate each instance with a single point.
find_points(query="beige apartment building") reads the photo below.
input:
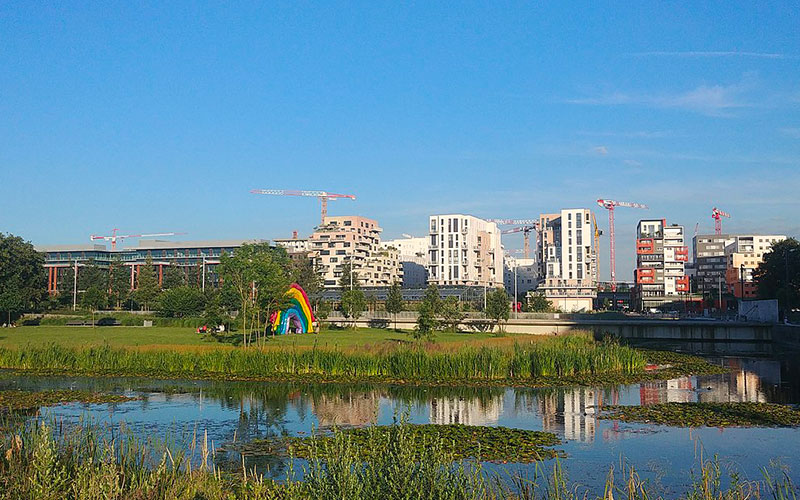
(464, 251)
(355, 240)
(742, 256)
(567, 259)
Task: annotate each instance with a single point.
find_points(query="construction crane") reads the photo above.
(525, 230)
(717, 215)
(610, 205)
(324, 197)
(531, 224)
(114, 237)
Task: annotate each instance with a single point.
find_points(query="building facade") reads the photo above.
(742, 257)
(661, 255)
(203, 255)
(413, 260)
(526, 272)
(708, 254)
(567, 259)
(464, 251)
(354, 240)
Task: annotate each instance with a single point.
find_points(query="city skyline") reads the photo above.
(163, 117)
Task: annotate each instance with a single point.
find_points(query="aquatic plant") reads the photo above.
(745, 414)
(559, 357)
(26, 400)
(43, 460)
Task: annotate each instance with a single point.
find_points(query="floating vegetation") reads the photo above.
(707, 414)
(47, 460)
(458, 441)
(26, 400)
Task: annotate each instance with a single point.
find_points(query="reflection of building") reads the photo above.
(349, 409)
(467, 412)
(572, 412)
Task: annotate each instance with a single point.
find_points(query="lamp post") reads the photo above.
(741, 280)
(786, 253)
(515, 291)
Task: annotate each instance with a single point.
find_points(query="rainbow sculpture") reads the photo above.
(298, 313)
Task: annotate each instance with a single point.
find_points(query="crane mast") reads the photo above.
(610, 205)
(528, 225)
(717, 215)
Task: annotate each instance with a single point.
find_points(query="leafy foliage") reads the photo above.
(778, 276)
(537, 302)
(181, 301)
(497, 306)
(452, 313)
(22, 276)
(147, 288)
(394, 302)
(354, 303)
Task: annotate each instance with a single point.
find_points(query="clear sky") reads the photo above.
(161, 116)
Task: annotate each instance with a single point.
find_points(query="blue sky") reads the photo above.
(162, 116)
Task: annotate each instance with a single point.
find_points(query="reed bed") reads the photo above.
(44, 460)
(557, 357)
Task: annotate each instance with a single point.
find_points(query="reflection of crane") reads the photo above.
(323, 196)
(114, 237)
(531, 225)
(526, 230)
(717, 214)
(610, 205)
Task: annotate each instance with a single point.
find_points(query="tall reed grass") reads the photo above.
(556, 357)
(43, 461)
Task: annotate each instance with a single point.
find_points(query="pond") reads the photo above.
(238, 412)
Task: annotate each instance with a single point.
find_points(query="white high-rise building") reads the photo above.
(413, 260)
(464, 250)
(568, 259)
(527, 275)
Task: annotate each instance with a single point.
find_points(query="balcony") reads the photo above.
(645, 246)
(645, 275)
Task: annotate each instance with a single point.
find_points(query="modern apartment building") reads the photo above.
(464, 250)
(660, 275)
(294, 245)
(526, 272)
(742, 257)
(567, 259)
(413, 260)
(354, 240)
(708, 254)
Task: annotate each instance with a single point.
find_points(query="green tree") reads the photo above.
(394, 302)
(354, 303)
(147, 288)
(180, 302)
(323, 310)
(174, 277)
(94, 299)
(778, 275)
(23, 283)
(537, 302)
(306, 274)
(497, 307)
(120, 281)
(451, 313)
(428, 312)
(349, 278)
(91, 275)
(259, 275)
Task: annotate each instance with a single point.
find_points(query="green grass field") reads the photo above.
(187, 339)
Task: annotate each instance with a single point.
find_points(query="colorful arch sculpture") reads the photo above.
(298, 313)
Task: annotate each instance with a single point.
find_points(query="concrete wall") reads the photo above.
(642, 329)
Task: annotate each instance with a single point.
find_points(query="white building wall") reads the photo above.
(464, 250)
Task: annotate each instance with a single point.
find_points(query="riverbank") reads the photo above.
(44, 461)
(551, 361)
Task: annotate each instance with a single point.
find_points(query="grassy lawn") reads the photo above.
(186, 338)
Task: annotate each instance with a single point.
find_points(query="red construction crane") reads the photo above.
(526, 231)
(114, 237)
(324, 197)
(717, 215)
(610, 205)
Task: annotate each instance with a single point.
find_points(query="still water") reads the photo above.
(239, 412)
